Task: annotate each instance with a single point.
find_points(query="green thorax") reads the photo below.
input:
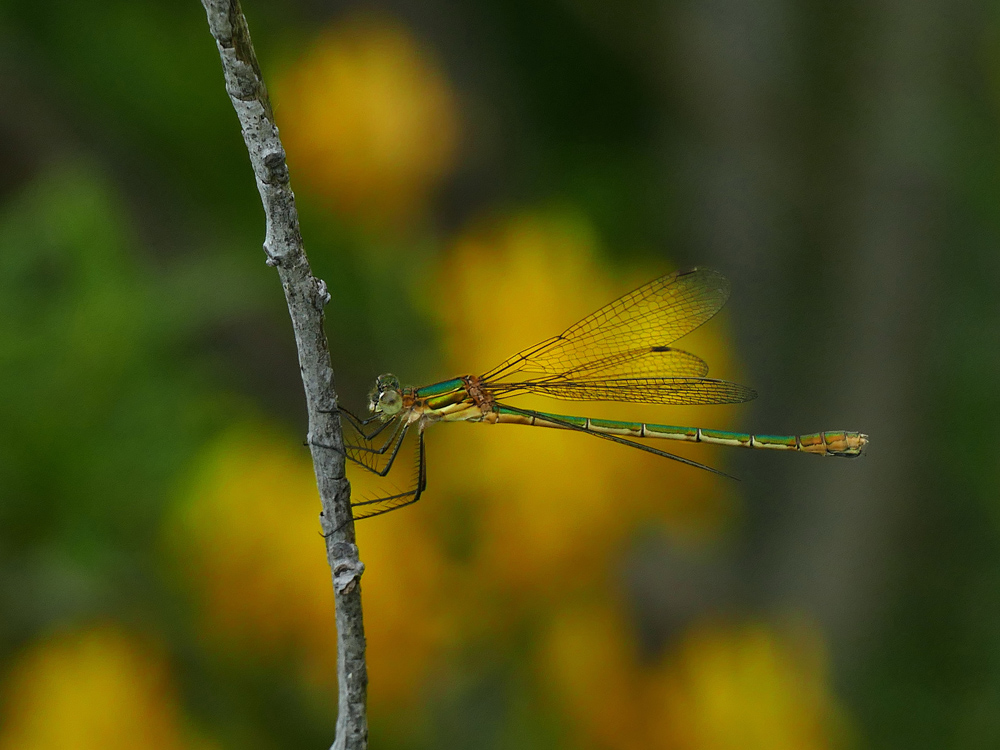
(443, 394)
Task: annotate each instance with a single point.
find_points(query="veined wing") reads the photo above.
(647, 362)
(676, 391)
(650, 362)
(650, 318)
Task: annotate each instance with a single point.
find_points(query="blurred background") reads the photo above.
(472, 178)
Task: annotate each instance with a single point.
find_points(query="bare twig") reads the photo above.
(306, 297)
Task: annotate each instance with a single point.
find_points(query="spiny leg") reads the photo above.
(359, 453)
(357, 423)
(372, 454)
(367, 448)
(356, 418)
(343, 410)
(616, 439)
(380, 505)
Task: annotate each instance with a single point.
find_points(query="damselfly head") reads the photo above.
(387, 396)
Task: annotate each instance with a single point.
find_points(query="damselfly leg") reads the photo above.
(359, 424)
(362, 452)
(377, 506)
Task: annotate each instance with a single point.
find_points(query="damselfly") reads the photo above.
(622, 352)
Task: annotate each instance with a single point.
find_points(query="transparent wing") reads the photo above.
(676, 391)
(645, 320)
(648, 362)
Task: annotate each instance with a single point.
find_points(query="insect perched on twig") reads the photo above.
(622, 352)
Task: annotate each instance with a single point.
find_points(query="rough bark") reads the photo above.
(306, 297)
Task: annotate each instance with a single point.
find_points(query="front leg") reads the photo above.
(359, 424)
(367, 458)
(379, 505)
(353, 450)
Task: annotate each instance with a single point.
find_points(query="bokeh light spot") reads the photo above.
(748, 687)
(241, 538)
(96, 689)
(369, 121)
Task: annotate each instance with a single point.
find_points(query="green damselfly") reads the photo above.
(622, 352)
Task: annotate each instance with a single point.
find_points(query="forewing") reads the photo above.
(650, 317)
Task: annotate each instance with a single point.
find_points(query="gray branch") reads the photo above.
(306, 297)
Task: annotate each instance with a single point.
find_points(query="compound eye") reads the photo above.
(390, 402)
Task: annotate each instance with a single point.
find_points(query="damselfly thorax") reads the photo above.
(458, 400)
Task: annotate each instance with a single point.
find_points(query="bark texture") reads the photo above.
(306, 296)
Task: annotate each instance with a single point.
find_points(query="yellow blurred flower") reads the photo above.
(743, 687)
(242, 535)
(563, 502)
(94, 689)
(369, 121)
(247, 538)
(748, 688)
